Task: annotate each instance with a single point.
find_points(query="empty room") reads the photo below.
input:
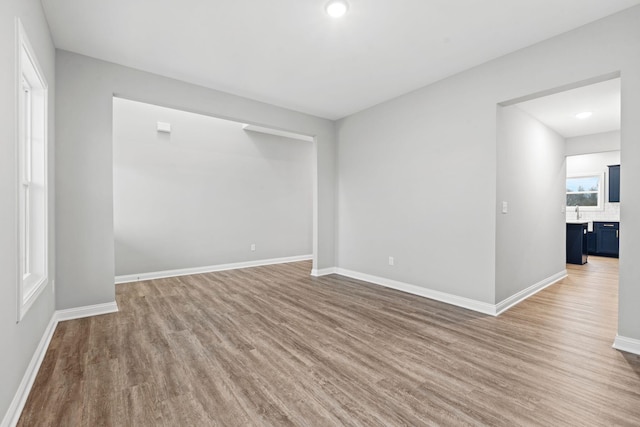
(321, 212)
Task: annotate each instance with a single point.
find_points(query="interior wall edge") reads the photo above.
(630, 345)
(475, 305)
(517, 298)
(12, 415)
(468, 303)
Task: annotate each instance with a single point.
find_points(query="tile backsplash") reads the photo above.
(611, 212)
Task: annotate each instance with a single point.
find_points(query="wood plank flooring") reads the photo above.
(273, 346)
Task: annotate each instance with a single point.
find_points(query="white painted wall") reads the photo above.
(595, 163)
(19, 340)
(201, 195)
(595, 143)
(417, 174)
(84, 176)
(530, 237)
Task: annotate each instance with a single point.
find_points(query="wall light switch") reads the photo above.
(253, 247)
(505, 207)
(164, 127)
(391, 260)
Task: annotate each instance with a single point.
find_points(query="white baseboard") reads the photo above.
(507, 303)
(471, 304)
(12, 415)
(15, 409)
(87, 311)
(208, 269)
(467, 303)
(630, 345)
(323, 271)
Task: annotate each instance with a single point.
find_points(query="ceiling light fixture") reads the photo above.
(584, 115)
(337, 8)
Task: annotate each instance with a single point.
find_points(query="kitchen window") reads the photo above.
(585, 191)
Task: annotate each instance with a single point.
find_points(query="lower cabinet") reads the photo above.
(591, 243)
(605, 239)
(577, 243)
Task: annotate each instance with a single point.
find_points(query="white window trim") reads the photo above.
(601, 192)
(26, 299)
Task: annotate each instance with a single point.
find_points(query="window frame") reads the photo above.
(31, 106)
(601, 190)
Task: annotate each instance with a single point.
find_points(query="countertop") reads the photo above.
(588, 222)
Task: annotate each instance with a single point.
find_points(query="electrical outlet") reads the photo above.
(505, 207)
(253, 247)
(391, 261)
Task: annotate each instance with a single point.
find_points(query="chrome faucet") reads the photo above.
(577, 212)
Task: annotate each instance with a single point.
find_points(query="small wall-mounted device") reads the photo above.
(164, 127)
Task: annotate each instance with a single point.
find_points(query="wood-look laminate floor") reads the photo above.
(274, 346)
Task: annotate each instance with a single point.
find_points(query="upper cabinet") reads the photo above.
(614, 183)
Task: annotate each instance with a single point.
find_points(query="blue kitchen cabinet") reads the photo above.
(607, 238)
(614, 183)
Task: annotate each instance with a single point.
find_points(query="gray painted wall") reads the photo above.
(403, 168)
(417, 183)
(531, 236)
(203, 194)
(19, 340)
(417, 174)
(595, 143)
(84, 175)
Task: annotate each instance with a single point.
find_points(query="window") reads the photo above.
(585, 191)
(31, 114)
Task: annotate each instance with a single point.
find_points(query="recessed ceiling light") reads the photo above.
(584, 115)
(337, 8)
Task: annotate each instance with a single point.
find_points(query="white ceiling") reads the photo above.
(290, 53)
(558, 111)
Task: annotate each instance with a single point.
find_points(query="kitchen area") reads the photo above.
(588, 119)
(593, 202)
(581, 219)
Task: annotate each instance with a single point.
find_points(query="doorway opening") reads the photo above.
(588, 117)
(195, 193)
(559, 155)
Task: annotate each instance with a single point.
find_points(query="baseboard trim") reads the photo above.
(207, 269)
(12, 415)
(509, 302)
(323, 271)
(470, 304)
(86, 311)
(630, 345)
